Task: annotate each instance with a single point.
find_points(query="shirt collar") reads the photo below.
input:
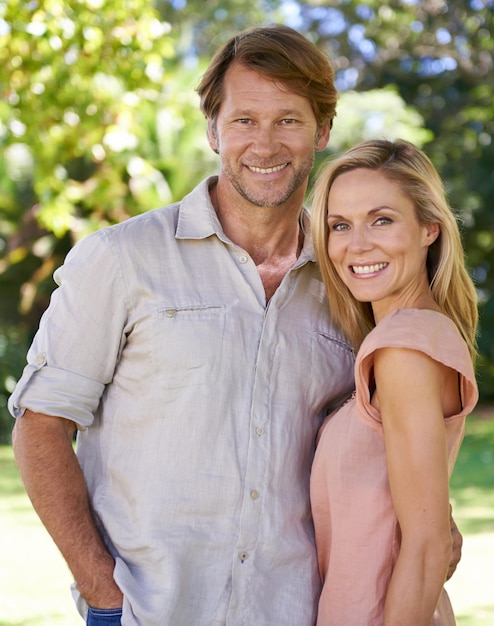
(307, 253)
(197, 219)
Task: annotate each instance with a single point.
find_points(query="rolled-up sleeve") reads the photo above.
(81, 334)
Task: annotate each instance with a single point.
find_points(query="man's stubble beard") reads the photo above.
(269, 198)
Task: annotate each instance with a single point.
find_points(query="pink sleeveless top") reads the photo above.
(354, 519)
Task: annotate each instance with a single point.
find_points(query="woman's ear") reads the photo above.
(432, 232)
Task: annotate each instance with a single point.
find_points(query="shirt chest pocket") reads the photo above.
(188, 345)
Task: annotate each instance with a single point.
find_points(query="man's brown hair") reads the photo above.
(281, 54)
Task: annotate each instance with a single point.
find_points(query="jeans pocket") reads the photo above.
(104, 617)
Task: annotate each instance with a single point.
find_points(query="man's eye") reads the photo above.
(289, 121)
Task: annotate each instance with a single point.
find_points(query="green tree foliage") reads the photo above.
(91, 109)
(99, 119)
(203, 25)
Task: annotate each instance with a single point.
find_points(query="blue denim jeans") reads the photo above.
(104, 617)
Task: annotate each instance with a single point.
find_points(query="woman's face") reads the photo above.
(376, 243)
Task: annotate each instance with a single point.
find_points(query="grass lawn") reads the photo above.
(34, 580)
(472, 494)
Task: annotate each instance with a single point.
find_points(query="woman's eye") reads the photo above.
(339, 226)
(383, 220)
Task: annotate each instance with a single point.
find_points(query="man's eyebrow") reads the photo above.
(282, 113)
(290, 112)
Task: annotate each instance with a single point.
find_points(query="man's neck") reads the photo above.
(270, 235)
(264, 232)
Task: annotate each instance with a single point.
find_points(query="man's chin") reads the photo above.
(268, 200)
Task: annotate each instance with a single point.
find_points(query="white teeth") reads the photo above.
(267, 170)
(368, 269)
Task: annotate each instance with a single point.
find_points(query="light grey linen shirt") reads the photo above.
(198, 407)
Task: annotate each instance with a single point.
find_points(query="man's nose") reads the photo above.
(265, 142)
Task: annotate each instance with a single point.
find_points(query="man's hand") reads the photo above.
(54, 482)
(457, 541)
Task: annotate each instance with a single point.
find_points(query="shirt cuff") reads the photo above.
(53, 391)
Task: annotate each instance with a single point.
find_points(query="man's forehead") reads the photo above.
(246, 89)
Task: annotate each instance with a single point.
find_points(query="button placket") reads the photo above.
(254, 519)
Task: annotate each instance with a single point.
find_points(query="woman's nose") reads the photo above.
(359, 239)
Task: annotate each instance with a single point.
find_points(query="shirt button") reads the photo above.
(243, 258)
(243, 556)
(260, 431)
(170, 312)
(254, 494)
(40, 359)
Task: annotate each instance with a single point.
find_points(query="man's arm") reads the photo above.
(55, 484)
(457, 540)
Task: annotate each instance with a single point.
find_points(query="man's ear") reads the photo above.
(212, 136)
(323, 137)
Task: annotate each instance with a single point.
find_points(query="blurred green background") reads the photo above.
(99, 121)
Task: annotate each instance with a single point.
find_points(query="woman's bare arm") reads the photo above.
(409, 387)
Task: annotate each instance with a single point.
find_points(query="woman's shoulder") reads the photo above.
(426, 331)
(416, 329)
(423, 330)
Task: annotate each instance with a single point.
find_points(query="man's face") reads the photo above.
(266, 138)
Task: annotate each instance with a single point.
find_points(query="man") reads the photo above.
(192, 349)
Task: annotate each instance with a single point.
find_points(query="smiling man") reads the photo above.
(192, 350)
(265, 136)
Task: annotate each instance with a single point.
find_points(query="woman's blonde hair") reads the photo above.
(451, 286)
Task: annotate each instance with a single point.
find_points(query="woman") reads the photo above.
(390, 254)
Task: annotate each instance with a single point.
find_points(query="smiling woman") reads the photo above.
(376, 244)
(390, 254)
(415, 178)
